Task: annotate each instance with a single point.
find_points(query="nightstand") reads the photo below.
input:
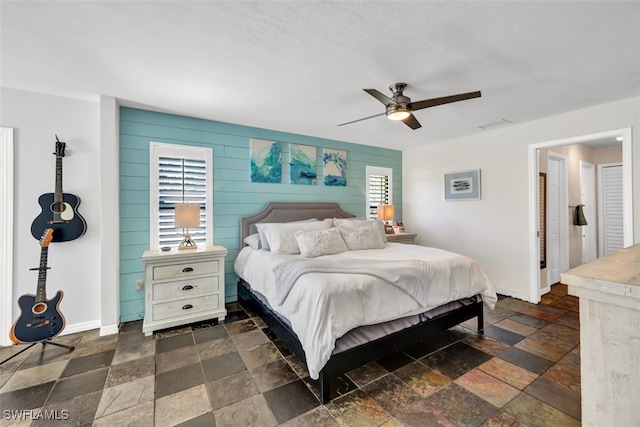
(183, 286)
(407, 238)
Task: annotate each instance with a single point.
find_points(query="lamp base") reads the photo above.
(187, 242)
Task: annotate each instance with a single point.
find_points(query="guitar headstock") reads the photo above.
(46, 238)
(59, 147)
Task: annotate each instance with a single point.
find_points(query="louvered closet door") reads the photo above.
(611, 197)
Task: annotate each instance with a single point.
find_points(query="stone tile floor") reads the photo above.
(525, 370)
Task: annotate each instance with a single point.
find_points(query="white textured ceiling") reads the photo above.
(301, 66)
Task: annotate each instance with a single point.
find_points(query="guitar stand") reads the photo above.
(44, 343)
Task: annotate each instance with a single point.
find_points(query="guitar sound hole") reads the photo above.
(39, 308)
(58, 207)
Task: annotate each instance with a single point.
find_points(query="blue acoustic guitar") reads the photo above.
(59, 210)
(40, 318)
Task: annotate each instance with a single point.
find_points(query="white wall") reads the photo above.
(494, 230)
(75, 265)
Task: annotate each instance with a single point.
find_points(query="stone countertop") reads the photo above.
(617, 274)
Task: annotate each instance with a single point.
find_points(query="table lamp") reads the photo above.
(187, 216)
(386, 213)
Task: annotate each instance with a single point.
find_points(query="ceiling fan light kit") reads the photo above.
(395, 112)
(400, 107)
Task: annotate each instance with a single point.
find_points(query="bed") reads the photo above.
(336, 322)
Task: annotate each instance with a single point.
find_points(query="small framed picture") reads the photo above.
(389, 229)
(463, 185)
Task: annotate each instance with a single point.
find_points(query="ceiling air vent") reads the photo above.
(493, 123)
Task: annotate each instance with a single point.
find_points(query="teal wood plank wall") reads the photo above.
(235, 195)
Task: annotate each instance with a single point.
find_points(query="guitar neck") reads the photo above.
(58, 192)
(41, 292)
(58, 196)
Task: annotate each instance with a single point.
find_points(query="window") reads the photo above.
(379, 189)
(180, 174)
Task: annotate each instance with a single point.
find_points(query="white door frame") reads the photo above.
(6, 228)
(588, 199)
(534, 197)
(563, 215)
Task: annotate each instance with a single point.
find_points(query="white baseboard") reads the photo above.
(87, 326)
(109, 330)
(74, 328)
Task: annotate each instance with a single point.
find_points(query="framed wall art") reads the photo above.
(463, 185)
(266, 161)
(335, 167)
(303, 164)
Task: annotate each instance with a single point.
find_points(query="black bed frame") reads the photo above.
(352, 358)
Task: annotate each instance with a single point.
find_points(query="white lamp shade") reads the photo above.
(386, 212)
(187, 215)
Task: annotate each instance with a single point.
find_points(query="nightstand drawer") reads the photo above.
(186, 269)
(185, 307)
(186, 288)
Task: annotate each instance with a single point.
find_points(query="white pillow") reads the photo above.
(365, 237)
(264, 242)
(282, 237)
(317, 243)
(358, 222)
(253, 241)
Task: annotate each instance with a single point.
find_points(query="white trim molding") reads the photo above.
(74, 328)
(109, 208)
(6, 228)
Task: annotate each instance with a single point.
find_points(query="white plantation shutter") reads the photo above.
(612, 212)
(180, 180)
(378, 189)
(180, 174)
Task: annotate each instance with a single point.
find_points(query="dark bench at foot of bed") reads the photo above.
(352, 358)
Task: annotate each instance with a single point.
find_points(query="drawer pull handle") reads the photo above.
(187, 270)
(187, 287)
(187, 307)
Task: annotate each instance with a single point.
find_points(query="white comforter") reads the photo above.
(322, 307)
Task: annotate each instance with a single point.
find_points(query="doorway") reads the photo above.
(623, 135)
(557, 218)
(6, 228)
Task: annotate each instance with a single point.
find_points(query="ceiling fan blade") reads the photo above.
(380, 97)
(365, 118)
(419, 105)
(412, 122)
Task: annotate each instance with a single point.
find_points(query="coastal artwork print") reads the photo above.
(266, 164)
(303, 164)
(335, 167)
(462, 185)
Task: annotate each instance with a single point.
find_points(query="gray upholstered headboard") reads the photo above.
(293, 211)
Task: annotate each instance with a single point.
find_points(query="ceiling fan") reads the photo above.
(400, 107)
